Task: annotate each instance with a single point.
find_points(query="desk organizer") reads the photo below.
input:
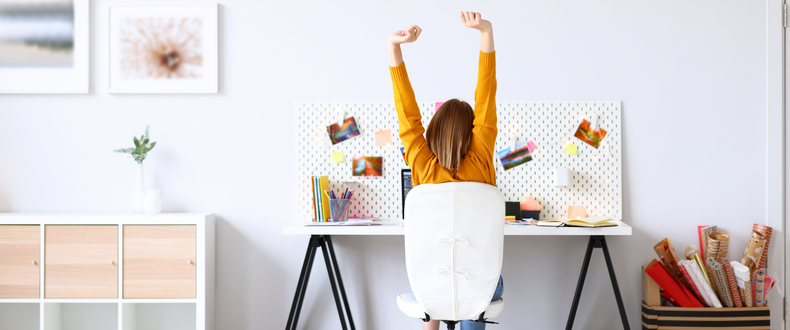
(594, 175)
(655, 316)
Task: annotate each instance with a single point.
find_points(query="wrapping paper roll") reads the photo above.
(694, 287)
(692, 253)
(759, 286)
(765, 231)
(747, 294)
(668, 257)
(720, 248)
(677, 293)
(754, 250)
(702, 284)
(742, 279)
(713, 248)
(736, 296)
(722, 287)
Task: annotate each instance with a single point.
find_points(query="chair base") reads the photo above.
(409, 306)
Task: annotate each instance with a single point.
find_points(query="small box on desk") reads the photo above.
(534, 215)
(655, 316)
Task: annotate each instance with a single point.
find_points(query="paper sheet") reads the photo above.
(337, 157)
(383, 138)
(532, 147)
(570, 148)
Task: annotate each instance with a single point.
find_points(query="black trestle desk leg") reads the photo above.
(597, 242)
(616, 288)
(340, 281)
(301, 285)
(332, 282)
(580, 284)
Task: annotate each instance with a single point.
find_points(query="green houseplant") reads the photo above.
(142, 146)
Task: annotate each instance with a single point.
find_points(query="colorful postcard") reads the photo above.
(511, 159)
(348, 130)
(589, 136)
(367, 166)
(403, 153)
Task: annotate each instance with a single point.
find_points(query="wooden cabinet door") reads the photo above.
(159, 261)
(81, 261)
(19, 264)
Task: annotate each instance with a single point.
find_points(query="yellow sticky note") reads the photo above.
(571, 148)
(383, 138)
(337, 157)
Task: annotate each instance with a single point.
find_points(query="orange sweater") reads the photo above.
(478, 165)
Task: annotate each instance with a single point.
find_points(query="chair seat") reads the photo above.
(409, 306)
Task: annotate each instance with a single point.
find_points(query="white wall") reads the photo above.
(691, 75)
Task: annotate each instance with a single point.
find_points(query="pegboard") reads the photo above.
(595, 174)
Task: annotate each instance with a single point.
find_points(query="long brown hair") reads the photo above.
(450, 133)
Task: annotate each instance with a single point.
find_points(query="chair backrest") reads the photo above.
(454, 235)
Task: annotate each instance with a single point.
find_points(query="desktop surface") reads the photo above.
(396, 228)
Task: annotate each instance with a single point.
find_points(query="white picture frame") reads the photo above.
(139, 63)
(47, 79)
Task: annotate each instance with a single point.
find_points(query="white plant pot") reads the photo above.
(153, 201)
(139, 192)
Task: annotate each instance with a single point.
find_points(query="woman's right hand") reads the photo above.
(475, 21)
(408, 35)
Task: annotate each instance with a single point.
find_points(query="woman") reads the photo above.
(459, 142)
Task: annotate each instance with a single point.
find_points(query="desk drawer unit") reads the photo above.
(19, 264)
(159, 261)
(80, 261)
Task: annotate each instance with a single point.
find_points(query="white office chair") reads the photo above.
(454, 234)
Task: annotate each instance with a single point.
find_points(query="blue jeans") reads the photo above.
(471, 325)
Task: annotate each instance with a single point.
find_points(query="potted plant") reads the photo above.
(141, 148)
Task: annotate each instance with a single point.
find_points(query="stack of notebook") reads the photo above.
(320, 185)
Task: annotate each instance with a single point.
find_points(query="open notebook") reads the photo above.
(592, 222)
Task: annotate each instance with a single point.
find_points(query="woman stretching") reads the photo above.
(459, 142)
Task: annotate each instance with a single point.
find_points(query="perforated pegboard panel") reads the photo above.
(596, 174)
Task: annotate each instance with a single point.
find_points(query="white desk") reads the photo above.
(320, 236)
(396, 228)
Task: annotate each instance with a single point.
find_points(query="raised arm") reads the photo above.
(410, 127)
(485, 94)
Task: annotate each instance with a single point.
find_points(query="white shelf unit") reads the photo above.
(114, 313)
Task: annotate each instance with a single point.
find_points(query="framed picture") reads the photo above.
(163, 48)
(44, 46)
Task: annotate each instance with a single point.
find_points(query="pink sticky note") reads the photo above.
(531, 146)
(383, 138)
(576, 212)
(438, 104)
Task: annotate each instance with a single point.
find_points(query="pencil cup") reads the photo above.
(339, 209)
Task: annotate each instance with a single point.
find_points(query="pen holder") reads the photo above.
(338, 209)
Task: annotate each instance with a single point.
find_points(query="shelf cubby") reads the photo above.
(19, 316)
(80, 316)
(159, 316)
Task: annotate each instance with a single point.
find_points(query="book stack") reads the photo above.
(320, 199)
